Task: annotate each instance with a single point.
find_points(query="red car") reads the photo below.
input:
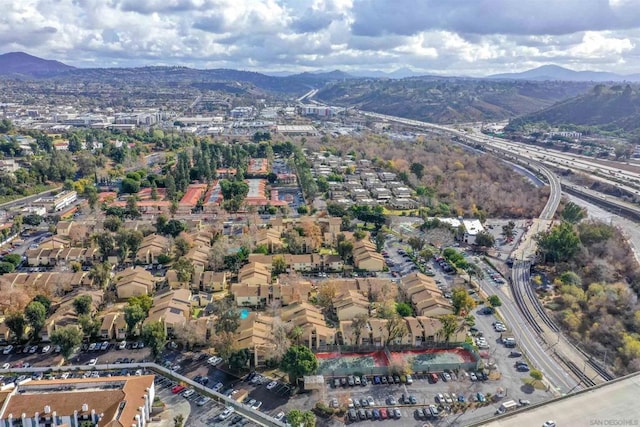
(383, 413)
(177, 389)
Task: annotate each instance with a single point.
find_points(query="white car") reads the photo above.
(6, 366)
(46, 349)
(92, 362)
(104, 346)
(122, 345)
(272, 385)
(92, 346)
(214, 360)
(188, 393)
(256, 405)
(279, 416)
(64, 375)
(8, 349)
(226, 413)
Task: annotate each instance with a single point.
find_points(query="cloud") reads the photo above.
(464, 37)
(407, 17)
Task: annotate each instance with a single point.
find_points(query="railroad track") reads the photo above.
(521, 302)
(535, 302)
(575, 370)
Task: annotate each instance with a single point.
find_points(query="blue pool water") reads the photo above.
(244, 313)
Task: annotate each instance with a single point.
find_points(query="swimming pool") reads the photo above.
(244, 313)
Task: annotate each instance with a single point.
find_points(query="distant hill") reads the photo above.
(614, 108)
(24, 64)
(554, 72)
(449, 100)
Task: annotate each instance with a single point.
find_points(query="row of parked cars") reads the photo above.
(362, 414)
(354, 380)
(31, 349)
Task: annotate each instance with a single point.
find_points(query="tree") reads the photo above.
(494, 301)
(36, 315)
(485, 239)
(68, 338)
(345, 250)
(178, 420)
(155, 337)
(32, 219)
(130, 186)
(90, 326)
(182, 244)
(536, 374)
(132, 210)
(82, 304)
(184, 269)
(279, 264)
(6, 267)
(404, 309)
(359, 322)
(106, 244)
(144, 301)
(14, 259)
(133, 315)
(462, 301)
(396, 328)
(228, 316)
(560, 244)
(416, 243)
(572, 213)
(449, 324)
(417, 169)
(46, 302)
(298, 418)
(100, 274)
(298, 361)
(16, 323)
(239, 360)
(508, 230)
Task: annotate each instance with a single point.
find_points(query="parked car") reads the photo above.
(272, 385)
(188, 393)
(92, 362)
(8, 349)
(226, 413)
(122, 345)
(177, 389)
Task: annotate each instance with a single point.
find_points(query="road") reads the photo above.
(24, 200)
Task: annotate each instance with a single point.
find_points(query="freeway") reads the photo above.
(25, 200)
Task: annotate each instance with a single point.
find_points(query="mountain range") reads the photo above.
(555, 72)
(23, 64)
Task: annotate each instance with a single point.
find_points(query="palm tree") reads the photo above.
(295, 334)
(178, 420)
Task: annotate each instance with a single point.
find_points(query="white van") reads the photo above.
(507, 406)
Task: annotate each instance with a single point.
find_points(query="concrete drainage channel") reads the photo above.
(251, 414)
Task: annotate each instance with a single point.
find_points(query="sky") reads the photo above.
(450, 37)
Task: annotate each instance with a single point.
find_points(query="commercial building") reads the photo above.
(57, 202)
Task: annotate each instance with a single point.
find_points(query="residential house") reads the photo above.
(365, 256)
(108, 327)
(251, 295)
(213, 281)
(255, 274)
(349, 305)
(171, 308)
(311, 321)
(134, 281)
(151, 247)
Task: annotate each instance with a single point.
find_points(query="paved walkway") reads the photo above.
(175, 404)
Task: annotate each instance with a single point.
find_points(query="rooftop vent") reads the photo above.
(47, 409)
(85, 407)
